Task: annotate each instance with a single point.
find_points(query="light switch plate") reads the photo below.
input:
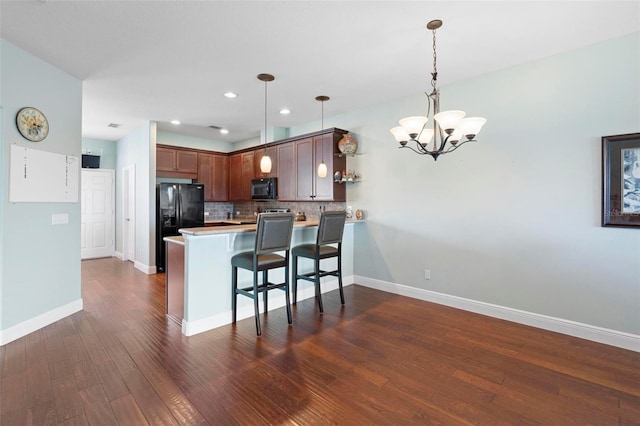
(59, 219)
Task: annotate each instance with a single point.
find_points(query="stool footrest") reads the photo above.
(248, 291)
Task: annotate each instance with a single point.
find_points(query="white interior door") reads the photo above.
(97, 219)
(129, 214)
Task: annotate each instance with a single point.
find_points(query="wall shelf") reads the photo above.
(345, 154)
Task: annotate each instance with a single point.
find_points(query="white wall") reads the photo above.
(40, 262)
(138, 149)
(513, 220)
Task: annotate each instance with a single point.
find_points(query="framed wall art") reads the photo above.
(621, 180)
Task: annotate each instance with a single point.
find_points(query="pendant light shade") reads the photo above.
(322, 170)
(265, 162)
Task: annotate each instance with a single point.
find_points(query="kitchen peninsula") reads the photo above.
(198, 272)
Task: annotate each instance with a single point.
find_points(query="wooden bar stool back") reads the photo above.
(328, 245)
(273, 234)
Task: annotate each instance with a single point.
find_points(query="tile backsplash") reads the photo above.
(248, 209)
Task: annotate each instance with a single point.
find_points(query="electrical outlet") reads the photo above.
(427, 274)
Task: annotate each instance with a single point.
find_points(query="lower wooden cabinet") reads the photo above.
(174, 281)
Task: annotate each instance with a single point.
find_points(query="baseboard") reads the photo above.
(119, 255)
(276, 300)
(584, 331)
(36, 323)
(149, 270)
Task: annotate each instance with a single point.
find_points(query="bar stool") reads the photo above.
(330, 230)
(273, 234)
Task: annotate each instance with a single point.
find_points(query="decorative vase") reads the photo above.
(347, 145)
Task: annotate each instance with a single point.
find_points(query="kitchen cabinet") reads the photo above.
(176, 162)
(213, 172)
(174, 279)
(309, 153)
(241, 171)
(287, 171)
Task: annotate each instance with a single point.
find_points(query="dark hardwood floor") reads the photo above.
(380, 359)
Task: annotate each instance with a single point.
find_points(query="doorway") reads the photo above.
(97, 220)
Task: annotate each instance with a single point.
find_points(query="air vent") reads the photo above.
(215, 127)
(114, 125)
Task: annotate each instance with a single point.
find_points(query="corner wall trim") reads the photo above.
(149, 270)
(576, 329)
(36, 323)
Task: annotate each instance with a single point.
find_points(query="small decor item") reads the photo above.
(621, 180)
(347, 144)
(337, 176)
(32, 124)
(359, 214)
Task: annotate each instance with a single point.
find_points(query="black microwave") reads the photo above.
(264, 189)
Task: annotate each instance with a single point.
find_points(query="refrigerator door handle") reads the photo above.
(179, 209)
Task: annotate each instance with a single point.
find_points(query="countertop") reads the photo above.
(232, 229)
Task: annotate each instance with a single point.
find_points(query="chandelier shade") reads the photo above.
(440, 133)
(449, 120)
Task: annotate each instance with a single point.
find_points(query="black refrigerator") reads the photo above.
(178, 205)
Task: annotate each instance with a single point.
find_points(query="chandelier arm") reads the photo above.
(457, 145)
(417, 152)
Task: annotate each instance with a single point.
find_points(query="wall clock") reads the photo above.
(32, 124)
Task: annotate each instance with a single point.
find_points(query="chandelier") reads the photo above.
(449, 129)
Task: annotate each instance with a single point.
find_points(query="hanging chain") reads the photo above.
(434, 74)
(265, 118)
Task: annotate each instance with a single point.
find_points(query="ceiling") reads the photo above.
(165, 60)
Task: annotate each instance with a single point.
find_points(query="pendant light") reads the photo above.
(265, 162)
(322, 167)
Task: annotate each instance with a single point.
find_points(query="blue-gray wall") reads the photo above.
(513, 220)
(107, 150)
(40, 262)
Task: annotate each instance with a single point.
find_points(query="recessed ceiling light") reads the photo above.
(224, 131)
(230, 95)
(284, 111)
(176, 122)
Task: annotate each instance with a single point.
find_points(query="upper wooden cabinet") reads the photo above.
(213, 172)
(294, 161)
(287, 171)
(241, 171)
(176, 162)
(310, 152)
